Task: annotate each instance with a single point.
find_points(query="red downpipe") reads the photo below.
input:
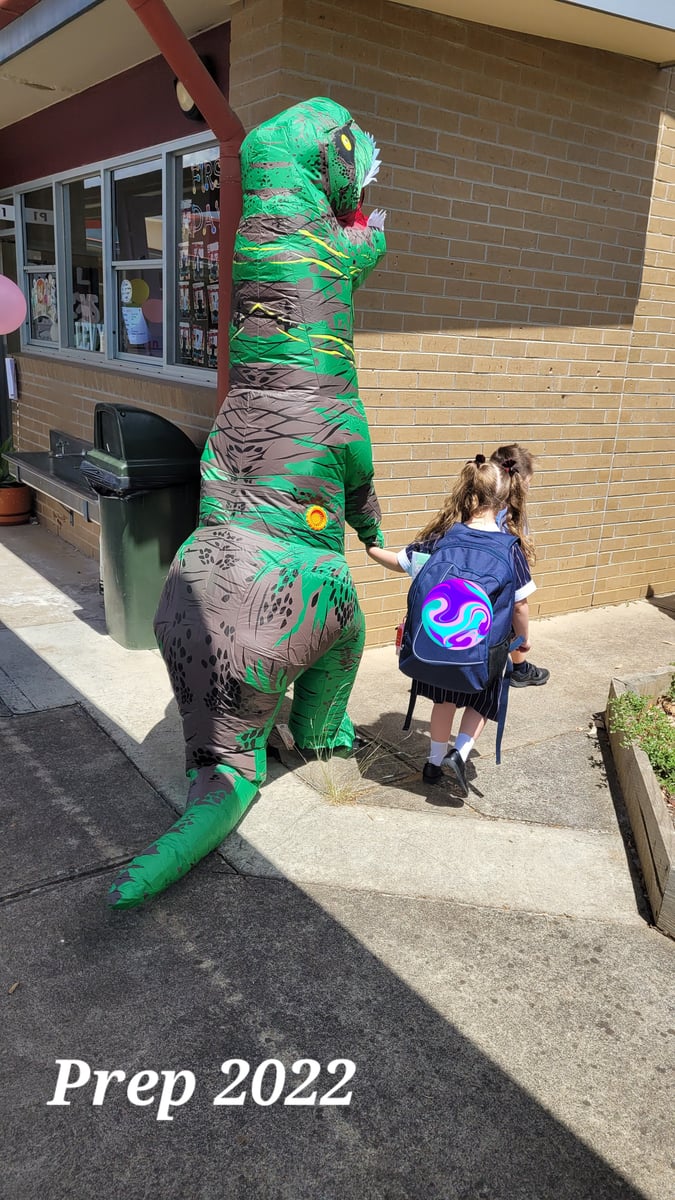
(187, 66)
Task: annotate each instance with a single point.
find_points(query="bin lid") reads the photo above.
(129, 434)
(121, 477)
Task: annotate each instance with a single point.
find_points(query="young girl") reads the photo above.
(482, 490)
(519, 462)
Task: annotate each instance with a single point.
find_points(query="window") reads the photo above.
(84, 255)
(139, 241)
(40, 265)
(197, 259)
(121, 262)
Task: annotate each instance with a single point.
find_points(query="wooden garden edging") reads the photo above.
(650, 819)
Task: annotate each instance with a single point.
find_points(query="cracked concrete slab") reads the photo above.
(71, 802)
(560, 781)
(579, 873)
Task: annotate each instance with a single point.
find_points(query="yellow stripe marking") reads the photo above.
(326, 245)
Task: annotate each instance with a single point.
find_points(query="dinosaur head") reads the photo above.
(350, 162)
(319, 151)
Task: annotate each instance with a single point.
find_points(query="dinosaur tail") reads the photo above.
(217, 800)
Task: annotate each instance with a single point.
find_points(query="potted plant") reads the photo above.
(15, 498)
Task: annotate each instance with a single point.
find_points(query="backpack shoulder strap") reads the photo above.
(411, 705)
(504, 700)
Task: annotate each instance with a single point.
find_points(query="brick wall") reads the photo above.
(637, 542)
(256, 81)
(527, 293)
(511, 305)
(70, 527)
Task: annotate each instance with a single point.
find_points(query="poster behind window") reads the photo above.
(43, 308)
(89, 329)
(198, 266)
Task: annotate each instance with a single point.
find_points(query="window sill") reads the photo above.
(146, 369)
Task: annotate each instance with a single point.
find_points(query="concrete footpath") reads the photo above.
(488, 966)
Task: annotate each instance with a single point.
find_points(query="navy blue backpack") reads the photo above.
(458, 627)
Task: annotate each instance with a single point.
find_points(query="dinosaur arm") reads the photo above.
(362, 509)
(366, 247)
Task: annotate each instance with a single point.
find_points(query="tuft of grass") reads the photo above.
(342, 779)
(644, 723)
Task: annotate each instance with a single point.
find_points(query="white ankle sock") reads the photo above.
(463, 744)
(437, 752)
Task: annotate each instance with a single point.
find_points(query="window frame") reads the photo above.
(166, 157)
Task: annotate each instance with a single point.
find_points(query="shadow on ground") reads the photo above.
(229, 967)
(665, 604)
(225, 968)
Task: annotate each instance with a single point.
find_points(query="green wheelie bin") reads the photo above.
(145, 471)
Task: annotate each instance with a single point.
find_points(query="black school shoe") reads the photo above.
(455, 761)
(432, 773)
(531, 676)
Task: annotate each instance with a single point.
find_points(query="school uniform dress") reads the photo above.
(487, 702)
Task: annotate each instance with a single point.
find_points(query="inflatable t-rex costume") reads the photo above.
(260, 596)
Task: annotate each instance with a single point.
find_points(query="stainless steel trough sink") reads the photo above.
(58, 476)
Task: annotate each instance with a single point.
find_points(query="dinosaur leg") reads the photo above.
(230, 666)
(319, 719)
(226, 724)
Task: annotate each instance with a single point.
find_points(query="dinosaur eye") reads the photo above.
(343, 141)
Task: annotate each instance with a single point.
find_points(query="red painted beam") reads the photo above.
(186, 64)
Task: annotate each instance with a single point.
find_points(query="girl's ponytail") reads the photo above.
(517, 464)
(481, 485)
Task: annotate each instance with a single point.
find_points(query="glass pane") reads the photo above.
(138, 217)
(197, 259)
(6, 214)
(140, 320)
(83, 209)
(38, 219)
(43, 306)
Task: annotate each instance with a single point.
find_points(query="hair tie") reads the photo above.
(509, 465)
(479, 460)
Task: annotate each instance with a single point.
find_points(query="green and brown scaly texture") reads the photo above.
(260, 596)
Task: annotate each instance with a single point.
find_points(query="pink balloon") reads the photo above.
(12, 306)
(153, 311)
